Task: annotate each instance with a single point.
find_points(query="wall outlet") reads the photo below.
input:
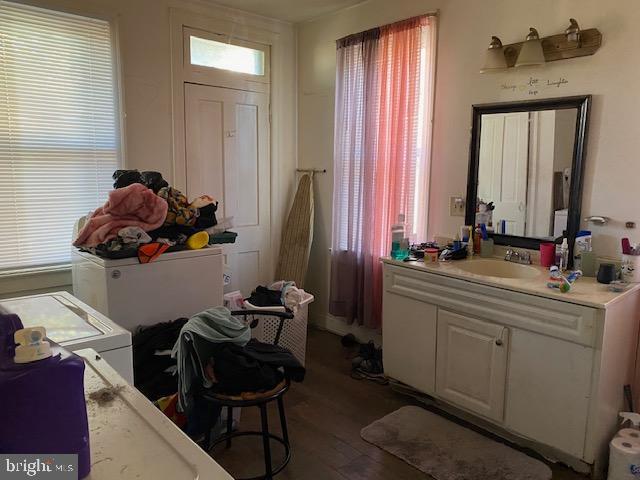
(456, 206)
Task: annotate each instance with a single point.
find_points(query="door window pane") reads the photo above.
(225, 56)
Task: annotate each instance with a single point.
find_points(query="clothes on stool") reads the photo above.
(197, 338)
(235, 371)
(276, 356)
(256, 367)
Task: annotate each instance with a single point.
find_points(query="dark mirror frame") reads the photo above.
(582, 104)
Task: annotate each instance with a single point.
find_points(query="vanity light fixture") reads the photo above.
(573, 33)
(531, 53)
(573, 42)
(495, 59)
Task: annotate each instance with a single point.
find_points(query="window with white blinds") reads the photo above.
(59, 130)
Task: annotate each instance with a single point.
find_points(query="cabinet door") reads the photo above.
(548, 395)
(409, 341)
(472, 363)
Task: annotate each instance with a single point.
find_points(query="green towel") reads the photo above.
(215, 325)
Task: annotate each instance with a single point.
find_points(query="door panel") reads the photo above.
(247, 119)
(472, 363)
(409, 341)
(205, 147)
(504, 153)
(227, 155)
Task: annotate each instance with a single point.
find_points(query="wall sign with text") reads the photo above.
(535, 85)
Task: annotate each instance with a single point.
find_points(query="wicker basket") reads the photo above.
(294, 331)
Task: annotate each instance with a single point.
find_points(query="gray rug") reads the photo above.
(448, 451)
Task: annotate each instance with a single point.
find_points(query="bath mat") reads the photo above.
(448, 451)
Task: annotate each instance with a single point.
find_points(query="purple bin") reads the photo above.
(44, 411)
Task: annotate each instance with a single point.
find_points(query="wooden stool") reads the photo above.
(260, 400)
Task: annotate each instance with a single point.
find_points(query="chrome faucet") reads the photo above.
(516, 256)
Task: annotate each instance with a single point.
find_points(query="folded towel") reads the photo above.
(132, 206)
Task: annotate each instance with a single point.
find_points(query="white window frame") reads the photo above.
(224, 78)
(56, 276)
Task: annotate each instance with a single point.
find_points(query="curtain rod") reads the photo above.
(433, 13)
(311, 170)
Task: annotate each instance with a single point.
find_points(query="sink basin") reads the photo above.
(499, 268)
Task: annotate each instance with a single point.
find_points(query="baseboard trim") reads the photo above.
(338, 326)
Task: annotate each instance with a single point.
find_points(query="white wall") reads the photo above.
(466, 26)
(145, 53)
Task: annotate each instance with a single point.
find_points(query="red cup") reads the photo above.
(547, 254)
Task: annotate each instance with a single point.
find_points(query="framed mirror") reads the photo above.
(526, 169)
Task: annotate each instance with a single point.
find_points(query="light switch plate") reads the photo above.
(456, 206)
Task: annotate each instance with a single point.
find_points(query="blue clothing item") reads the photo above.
(192, 350)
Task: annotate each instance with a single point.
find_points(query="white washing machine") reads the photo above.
(176, 284)
(75, 325)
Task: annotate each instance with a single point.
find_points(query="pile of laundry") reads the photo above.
(215, 352)
(278, 294)
(145, 217)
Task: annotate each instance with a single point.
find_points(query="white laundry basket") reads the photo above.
(294, 331)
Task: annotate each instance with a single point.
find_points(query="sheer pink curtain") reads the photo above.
(378, 153)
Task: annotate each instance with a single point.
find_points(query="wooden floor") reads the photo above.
(325, 414)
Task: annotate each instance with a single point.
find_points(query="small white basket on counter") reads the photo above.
(294, 331)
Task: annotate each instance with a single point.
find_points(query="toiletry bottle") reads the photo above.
(470, 250)
(397, 238)
(477, 235)
(581, 245)
(564, 254)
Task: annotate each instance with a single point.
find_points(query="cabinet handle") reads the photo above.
(498, 342)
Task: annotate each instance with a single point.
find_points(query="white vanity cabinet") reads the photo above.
(544, 370)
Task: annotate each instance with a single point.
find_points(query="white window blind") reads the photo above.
(59, 141)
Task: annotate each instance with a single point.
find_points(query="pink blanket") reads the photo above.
(132, 206)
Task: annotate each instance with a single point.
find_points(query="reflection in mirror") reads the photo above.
(524, 172)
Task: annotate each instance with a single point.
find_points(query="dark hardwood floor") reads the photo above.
(325, 414)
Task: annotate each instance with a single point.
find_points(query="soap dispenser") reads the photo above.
(43, 384)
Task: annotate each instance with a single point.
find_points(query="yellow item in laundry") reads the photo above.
(198, 240)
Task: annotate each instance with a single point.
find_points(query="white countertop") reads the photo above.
(131, 439)
(585, 291)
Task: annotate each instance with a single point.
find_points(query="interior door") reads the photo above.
(471, 367)
(504, 152)
(227, 156)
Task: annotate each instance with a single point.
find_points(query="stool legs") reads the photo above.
(283, 421)
(265, 442)
(229, 425)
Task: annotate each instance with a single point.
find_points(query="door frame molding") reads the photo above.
(279, 36)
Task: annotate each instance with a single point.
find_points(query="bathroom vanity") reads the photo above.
(491, 343)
